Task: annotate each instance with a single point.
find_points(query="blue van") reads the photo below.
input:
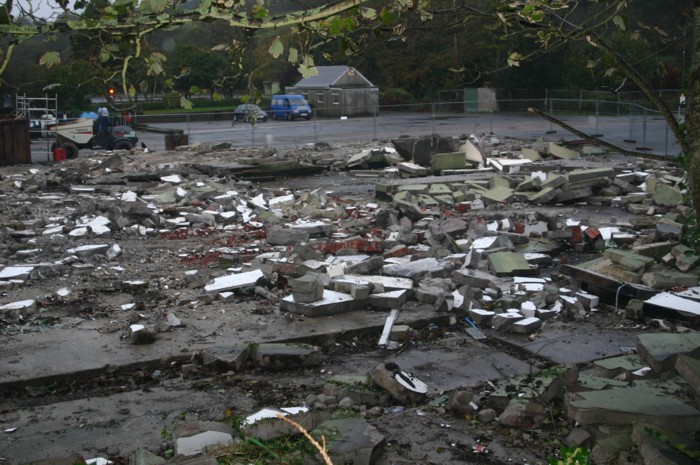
(289, 107)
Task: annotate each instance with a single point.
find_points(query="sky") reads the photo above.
(42, 8)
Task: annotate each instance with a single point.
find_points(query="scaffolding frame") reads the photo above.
(42, 115)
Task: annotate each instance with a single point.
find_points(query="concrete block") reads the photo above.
(689, 368)
(497, 195)
(359, 292)
(526, 325)
(417, 269)
(667, 196)
(279, 356)
(668, 279)
(573, 194)
(448, 161)
(589, 301)
(509, 264)
(332, 303)
(307, 289)
(545, 195)
(227, 357)
(475, 278)
(530, 154)
(389, 299)
(591, 173)
(505, 321)
(628, 260)
(654, 250)
(481, 317)
(18, 310)
(412, 169)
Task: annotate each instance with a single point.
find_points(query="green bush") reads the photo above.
(396, 97)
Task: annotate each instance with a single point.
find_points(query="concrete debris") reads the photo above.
(193, 438)
(402, 386)
(468, 245)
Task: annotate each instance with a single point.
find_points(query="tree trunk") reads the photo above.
(692, 119)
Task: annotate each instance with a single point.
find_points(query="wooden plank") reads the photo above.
(15, 147)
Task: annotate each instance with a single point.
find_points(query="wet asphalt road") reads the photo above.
(646, 134)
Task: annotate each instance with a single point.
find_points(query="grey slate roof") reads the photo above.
(329, 76)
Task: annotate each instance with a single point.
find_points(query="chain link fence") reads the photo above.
(623, 119)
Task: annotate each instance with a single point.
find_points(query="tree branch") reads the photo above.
(595, 140)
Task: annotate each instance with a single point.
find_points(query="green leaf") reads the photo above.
(386, 16)
(277, 48)
(293, 55)
(132, 91)
(186, 104)
(368, 13)
(245, 98)
(307, 68)
(154, 6)
(154, 68)
(514, 59)
(217, 97)
(169, 83)
(104, 56)
(50, 59)
(619, 22)
(259, 12)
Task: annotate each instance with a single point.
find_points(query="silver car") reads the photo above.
(248, 112)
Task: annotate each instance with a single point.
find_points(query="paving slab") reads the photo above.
(69, 351)
(631, 405)
(585, 344)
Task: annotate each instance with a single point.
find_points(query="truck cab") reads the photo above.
(290, 107)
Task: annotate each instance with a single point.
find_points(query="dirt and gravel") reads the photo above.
(85, 304)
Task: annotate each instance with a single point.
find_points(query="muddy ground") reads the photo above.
(56, 401)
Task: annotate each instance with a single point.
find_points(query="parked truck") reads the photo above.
(84, 133)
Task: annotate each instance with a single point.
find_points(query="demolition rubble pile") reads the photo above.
(457, 228)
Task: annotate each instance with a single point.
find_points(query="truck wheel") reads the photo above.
(123, 145)
(71, 150)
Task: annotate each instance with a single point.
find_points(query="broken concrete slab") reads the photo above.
(557, 151)
(660, 349)
(332, 303)
(350, 439)
(668, 305)
(233, 281)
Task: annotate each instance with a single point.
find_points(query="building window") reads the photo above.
(335, 97)
(319, 97)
